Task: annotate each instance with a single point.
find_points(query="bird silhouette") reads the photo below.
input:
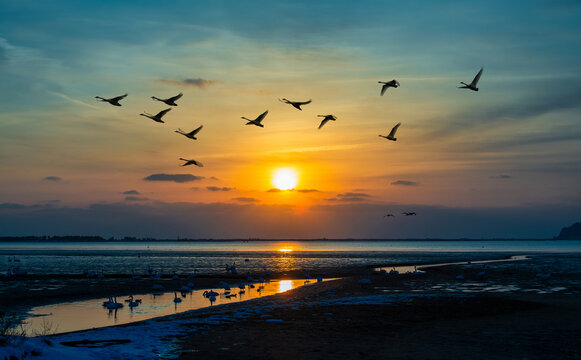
(257, 120)
(191, 134)
(388, 215)
(156, 118)
(472, 85)
(410, 213)
(387, 84)
(113, 101)
(391, 135)
(191, 162)
(170, 101)
(296, 104)
(326, 119)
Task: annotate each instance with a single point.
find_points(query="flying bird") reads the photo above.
(409, 213)
(257, 120)
(391, 135)
(113, 101)
(472, 85)
(171, 101)
(157, 117)
(388, 215)
(387, 84)
(191, 134)
(326, 119)
(191, 162)
(296, 104)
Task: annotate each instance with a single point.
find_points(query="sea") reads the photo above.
(251, 256)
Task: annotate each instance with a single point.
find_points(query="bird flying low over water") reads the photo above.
(472, 85)
(409, 213)
(191, 134)
(113, 101)
(191, 162)
(257, 120)
(326, 119)
(296, 104)
(391, 135)
(170, 101)
(387, 84)
(157, 117)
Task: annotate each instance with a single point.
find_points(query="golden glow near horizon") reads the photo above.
(285, 250)
(285, 179)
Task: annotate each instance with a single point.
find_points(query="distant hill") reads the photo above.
(572, 232)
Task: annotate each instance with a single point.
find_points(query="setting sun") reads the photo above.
(285, 179)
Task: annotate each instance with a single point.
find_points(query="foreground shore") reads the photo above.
(512, 310)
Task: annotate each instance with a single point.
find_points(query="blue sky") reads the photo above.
(478, 160)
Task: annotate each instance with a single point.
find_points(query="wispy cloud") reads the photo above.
(135, 198)
(245, 199)
(73, 100)
(500, 177)
(217, 188)
(274, 190)
(131, 192)
(197, 82)
(52, 178)
(307, 190)
(405, 183)
(178, 178)
(352, 194)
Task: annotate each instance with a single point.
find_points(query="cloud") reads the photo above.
(131, 192)
(52, 178)
(178, 178)
(195, 188)
(197, 82)
(273, 190)
(500, 177)
(347, 199)
(307, 190)
(405, 183)
(352, 194)
(216, 188)
(245, 199)
(135, 198)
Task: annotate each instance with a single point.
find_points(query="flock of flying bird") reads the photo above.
(258, 121)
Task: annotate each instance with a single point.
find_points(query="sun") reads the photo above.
(285, 179)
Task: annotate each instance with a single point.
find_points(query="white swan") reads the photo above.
(387, 84)
(391, 135)
(296, 104)
(257, 120)
(326, 119)
(113, 101)
(191, 134)
(472, 85)
(157, 117)
(170, 101)
(191, 162)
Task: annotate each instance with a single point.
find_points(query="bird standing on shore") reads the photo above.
(472, 85)
(257, 120)
(296, 104)
(387, 84)
(191, 134)
(170, 101)
(391, 135)
(156, 118)
(326, 119)
(113, 100)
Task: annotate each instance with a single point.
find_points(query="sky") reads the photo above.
(500, 162)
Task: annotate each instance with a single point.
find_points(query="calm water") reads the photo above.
(211, 257)
(81, 315)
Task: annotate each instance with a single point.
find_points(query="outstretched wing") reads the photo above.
(194, 132)
(117, 98)
(476, 78)
(325, 120)
(172, 99)
(303, 102)
(162, 113)
(383, 88)
(392, 132)
(261, 117)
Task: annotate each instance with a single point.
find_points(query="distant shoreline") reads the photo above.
(98, 239)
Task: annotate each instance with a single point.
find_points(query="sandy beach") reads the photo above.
(506, 310)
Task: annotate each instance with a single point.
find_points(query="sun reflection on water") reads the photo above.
(285, 285)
